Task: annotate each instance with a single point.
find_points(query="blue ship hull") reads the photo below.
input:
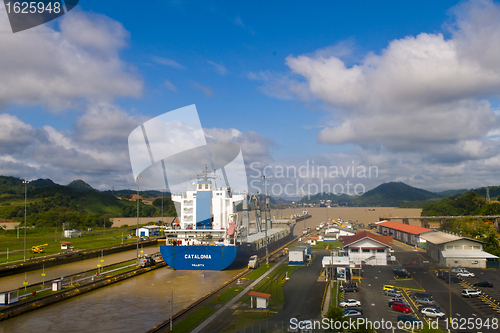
(199, 257)
(215, 258)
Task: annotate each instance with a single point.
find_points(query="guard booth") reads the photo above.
(57, 285)
(9, 297)
(296, 256)
(260, 300)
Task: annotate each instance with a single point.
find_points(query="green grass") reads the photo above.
(90, 241)
(226, 295)
(274, 287)
(193, 320)
(244, 320)
(256, 273)
(322, 245)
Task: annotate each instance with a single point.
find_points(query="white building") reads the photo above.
(297, 255)
(148, 231)
(259, 300)
(454, 251)
(333, 232)
(367, 248)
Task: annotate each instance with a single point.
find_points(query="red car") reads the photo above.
(401, 307)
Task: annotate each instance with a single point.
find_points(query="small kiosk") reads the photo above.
(261, 300)
(56, 285)
(9, 297)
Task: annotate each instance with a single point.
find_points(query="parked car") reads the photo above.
(471, 293)
(353, 287)
(357, 309)
(484, 284)
(388, 287)
(466, 274)
(402, 274)
(432, 313)
(452, 279)
(350, 302)
(425, 301)
(434, 306)
(407, 317)
(401, 307)
(392, 293)
(441, 274)
(396, 300)
(458, 270)
(353, 313)
(418, 294)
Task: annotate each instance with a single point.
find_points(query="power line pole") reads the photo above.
(137, 230)
(25, 182)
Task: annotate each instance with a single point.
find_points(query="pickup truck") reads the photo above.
(471, 293)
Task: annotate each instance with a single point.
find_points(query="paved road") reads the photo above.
(303, 295)
(447, 297)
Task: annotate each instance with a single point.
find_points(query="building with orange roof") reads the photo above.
(367, 248)
(261, 299)
(408, 234)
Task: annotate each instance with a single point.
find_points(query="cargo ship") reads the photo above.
(210, 235)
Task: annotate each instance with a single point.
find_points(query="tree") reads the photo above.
(334, 315)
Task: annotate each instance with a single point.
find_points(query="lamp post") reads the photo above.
(25, 182)
(137, 230)
(171, 301)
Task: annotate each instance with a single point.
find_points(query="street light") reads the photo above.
(137, 230)
(171, 301)
(25, 182)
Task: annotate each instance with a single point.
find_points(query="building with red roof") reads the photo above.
(367, 248)
(261, 300)
(405, 233)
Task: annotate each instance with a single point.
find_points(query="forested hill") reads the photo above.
(391, 194)
(50, 204)
(470, 203)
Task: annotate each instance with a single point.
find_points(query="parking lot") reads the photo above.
(469, 313)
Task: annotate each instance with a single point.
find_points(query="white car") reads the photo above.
(466, 274)
(350, 303)
(471, 293)
(432, 313)
(458, 270)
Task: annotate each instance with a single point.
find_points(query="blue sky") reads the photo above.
(408, 87)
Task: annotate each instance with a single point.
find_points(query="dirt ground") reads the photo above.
(355, 214)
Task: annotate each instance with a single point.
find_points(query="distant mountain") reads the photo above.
(393, 194)
(449, 193)
(80, 185)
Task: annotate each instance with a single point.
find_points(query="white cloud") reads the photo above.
(206, 90)
(237, 20)
(218, 68)
(167, 62)
(424, 94)
(254, 147)
(170, 86)
(96, 151)
(59, 68)
(103, 121)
